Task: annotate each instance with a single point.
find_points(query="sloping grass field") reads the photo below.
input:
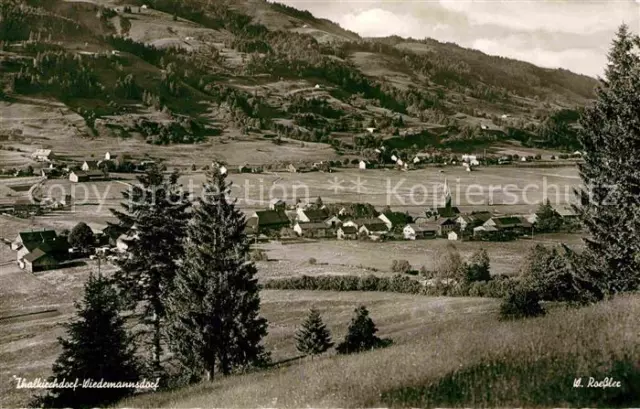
(473, 362)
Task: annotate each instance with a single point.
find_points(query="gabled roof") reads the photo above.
(316, 215)
(349, 230)
(35, 255)
(379, 226)
(91, 163)
(270, 217)
(445, 221)
(447, 211)
(421, 227)
(312, 226)
(32, 239)
(482, 216)
(510, 221)
(41, 152)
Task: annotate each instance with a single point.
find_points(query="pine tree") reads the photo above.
(97, 348)
(610, 202)
(547, 219)
(361, 334)
(156, 213)
(214, 319)
(313, 338)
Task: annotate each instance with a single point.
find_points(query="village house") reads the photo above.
(40, 250)
(421, 157)
(468, 222)
(444, 226)
(357, 223)
(333, 221)
(509, 223)
(347, 233)
(267, 221)
(297, 168)
(323, 166)
(414, 231)
(110, 156)
(312, 215)
(277, 204)
(122, 242)
(312, 230)
(78, 176)
(42, 155)
(453, 236)
(88, 165)
(244, 169)
(364, 164)
(375, 231)
(111, 233)
(223, 169)
(566, 212)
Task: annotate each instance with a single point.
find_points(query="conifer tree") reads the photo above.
(96, 348)
(313, 337)
(361, 334)
(156, 214)
(214, 322)
(548, 220)
(610, 201)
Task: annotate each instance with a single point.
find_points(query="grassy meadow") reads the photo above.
(477, 361)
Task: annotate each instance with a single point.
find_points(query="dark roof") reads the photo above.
(349, 230)
(316, 215)
(397, 217)
(447, 211)
(508, 221)
(445, 221)
(91, 163)
(271, 217)
(114, 231)
(32, 239)
(482, 216)
(375, 226)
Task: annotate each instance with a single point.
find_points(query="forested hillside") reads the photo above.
(184, 71)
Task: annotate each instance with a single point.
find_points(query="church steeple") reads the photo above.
(447, 195)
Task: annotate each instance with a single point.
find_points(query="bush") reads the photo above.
(400, 266)
(258, 255)
(312, 261)
(522, 302)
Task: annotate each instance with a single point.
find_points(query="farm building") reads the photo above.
(347, 233)
(453, 236)
(42, 155)
(414, 231)
(267, 220)
(46, 245)
(110, 156)
(244, 168)
(421, 157)
(566, 212)
(88, 165)
(122, 242)
(223, 169)
(509, 223)
(333, 221)
(364, 164)
(78, 176)
(312, 215)
(469, 221)
(38, 260)
(357, 223)
(277, 204)
(374, 231)
(312, 230)
(445, 226)
(323, 166)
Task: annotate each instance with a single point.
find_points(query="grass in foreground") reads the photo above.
(472, 363)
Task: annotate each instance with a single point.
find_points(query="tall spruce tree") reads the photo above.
(97, 348)
(156, 214)
(214, 323)
(548, 219)
(313, 337)
(610, 201)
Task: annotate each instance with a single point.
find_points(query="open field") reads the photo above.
(574, 343)
(355, 257)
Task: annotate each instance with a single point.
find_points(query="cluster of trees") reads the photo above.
(314, 338)
(62, 74)
(186, 272)
(608, 202)
(181, 130)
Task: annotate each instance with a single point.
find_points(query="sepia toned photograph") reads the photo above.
(319, 204)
